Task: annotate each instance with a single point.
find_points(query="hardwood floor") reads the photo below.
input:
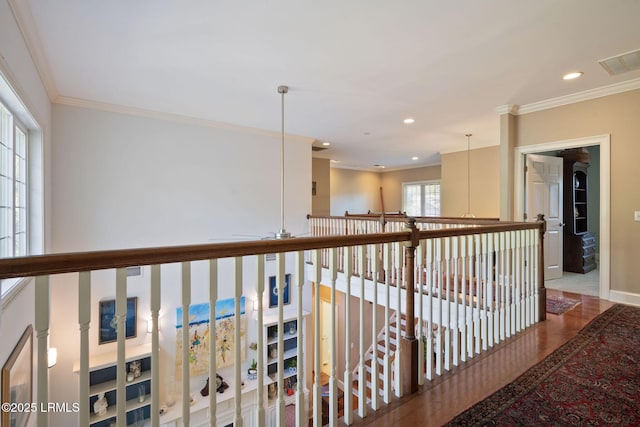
(442, 399)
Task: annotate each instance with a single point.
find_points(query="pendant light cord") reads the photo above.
(468, 173)
(282, 90)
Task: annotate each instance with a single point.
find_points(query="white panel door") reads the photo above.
(544, 195)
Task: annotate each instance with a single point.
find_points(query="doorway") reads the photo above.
(603, 142)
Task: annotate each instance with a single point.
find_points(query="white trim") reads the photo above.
(15, 287)
(24, 19)
(604, 141)
(586, 95)
(624, 297)
(171, 117)
(473, 147)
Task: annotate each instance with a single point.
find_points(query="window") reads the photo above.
(21, 184)
(13, 186)
(421, 198)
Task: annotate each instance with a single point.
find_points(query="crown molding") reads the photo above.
(586, 95)
(172, 117)
(473, 147)
(507, 109)
(24, 19)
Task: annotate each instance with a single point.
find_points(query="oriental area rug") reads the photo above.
(592, 380)
(560, 305)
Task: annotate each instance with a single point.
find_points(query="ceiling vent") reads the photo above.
(619, 64)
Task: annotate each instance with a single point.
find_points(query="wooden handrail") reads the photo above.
(419, 219)
(99, 260)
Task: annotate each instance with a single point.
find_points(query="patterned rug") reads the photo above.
(592, 380)
(560, 305)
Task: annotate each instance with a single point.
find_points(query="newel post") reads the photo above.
(409, 342)
(542, 291)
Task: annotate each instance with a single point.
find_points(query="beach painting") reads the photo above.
(199, 332)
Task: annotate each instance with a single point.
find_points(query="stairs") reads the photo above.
(377, 353)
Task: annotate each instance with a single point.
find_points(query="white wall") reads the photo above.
(124, 181)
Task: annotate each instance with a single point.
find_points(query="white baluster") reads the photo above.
(456, 301)
(431, 276)
(447, 291)
(485, 293)
(398, 267)
(528, 279)
(362, 389)
(317, 387)
(491, 283)
(213, 297)
(155, 345)
(84, 319)
(375, 390)
(260, 414)
(237, 280)
(301, 407)
(348, 380)
(387, 327)
(510, 321)
(333, 382)
(472, 297)
(502, 278)
(121, 317)
(463, 302)
(186, 302)
(534, 275)
(420, 272)
(42, 305)
(477, 326)
(280, 282)
(439, 285)
(498, 306)
(518, 282)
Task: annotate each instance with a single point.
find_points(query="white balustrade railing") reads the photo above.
(474, 287)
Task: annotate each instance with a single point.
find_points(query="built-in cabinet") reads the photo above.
(290, 336)
(579, 244)
(103, 385)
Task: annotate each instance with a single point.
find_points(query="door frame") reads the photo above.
(604, 142)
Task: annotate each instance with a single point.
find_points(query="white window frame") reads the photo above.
(422, 184)
(23, 120)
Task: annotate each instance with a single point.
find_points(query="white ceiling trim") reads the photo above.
(570, 99)
(176, 118)
(24, 18)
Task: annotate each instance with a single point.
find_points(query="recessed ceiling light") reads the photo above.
(379, 166)
(414, 158)
(335, 161)
(573, 75)
(409, 121)
(326, 144)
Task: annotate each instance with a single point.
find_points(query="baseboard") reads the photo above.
(624, 297)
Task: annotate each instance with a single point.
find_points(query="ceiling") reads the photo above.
(355, 68)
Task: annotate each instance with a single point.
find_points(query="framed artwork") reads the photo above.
(273, 291)
(17, 380)
(108, 321)
(200, 332)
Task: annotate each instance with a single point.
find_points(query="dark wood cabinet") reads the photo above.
(579, 245)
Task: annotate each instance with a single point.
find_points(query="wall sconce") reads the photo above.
(52, 356)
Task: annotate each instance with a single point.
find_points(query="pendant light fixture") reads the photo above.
(468, 214)
(283, 233)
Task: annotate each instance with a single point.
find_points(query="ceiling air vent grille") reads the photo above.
(619, 64)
